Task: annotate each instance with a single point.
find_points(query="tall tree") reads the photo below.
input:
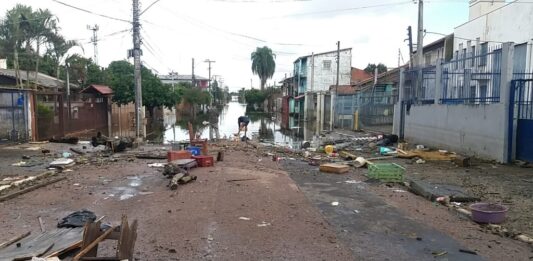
(263, 64)
(58, 47)
(43, 28)
(371, 68)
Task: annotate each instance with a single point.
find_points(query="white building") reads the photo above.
(494, 22)
(314, 73)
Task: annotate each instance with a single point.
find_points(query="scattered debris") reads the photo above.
(335, 203)
(77, 219)
(353, 181)
(62, 163)
(467, 251)
(77, 151)
(125, 234)
(263, 224)
(236, 180)
(68, 140)
(437, 253)
(244, 218)
(157, 165)
(334, 168)
(420, 161)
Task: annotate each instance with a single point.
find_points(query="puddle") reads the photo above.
(129, 189)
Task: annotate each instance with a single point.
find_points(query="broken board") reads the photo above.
(427, 155)
(44, 244)
(334, 168)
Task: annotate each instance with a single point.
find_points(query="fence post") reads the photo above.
(438, 80)
(505, 95)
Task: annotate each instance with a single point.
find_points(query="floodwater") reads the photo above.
(263, 126)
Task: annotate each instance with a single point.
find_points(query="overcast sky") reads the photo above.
(227, 31)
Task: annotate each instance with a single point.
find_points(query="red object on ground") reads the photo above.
(180, 154)
(204, 161)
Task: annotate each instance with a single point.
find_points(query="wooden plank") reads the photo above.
(60, 239)
(14, 239)
(28, 189)
(93, 244)
(334, 168)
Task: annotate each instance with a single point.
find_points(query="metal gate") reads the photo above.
(12, 115)
(521, 112)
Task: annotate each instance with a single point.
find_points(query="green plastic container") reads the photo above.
(386, 172)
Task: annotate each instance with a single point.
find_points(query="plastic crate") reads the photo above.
(204, 161)
(386, 172)
(180, 154)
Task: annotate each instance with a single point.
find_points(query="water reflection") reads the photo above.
(263, 126)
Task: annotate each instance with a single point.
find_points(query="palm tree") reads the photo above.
(263, 64)
(58, 48)
(44, 28)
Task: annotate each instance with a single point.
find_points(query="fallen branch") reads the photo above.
(28, 189)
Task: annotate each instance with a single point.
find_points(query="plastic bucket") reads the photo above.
(488, 213)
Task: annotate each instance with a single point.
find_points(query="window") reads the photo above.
(326, 65)
(464, 58)
(472, 93)
(99, 100)
(456, 59)
(483, 93)
(473, 55)
(428, 59)
(484, 51)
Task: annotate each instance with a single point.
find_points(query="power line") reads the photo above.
(152, 4)
(91, 12)
(341, 10)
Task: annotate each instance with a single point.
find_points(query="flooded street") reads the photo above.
(263, 126)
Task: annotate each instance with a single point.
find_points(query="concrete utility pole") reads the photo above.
(94, 41)
(193, 77)
(139, 115)
(410, 39)
(333, 94)
(420, 45)
(209, 82)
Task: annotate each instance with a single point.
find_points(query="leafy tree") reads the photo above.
(195, 96)
(371, 68)
(263, 64)
(155, 94)
(120, 79)
(254, 98)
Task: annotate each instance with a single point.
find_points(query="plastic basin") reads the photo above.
(488, 213)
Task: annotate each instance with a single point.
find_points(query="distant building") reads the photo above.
(323, 73)
(492, 23)
(175, 78)
(439, 49)
(359, 75)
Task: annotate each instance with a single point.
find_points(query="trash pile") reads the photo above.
(178, 174)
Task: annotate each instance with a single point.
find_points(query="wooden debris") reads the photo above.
(77, 151)
(13, 240)
(46, 244)
(41, 224)
(174, 181)
(125, 235)
(28, 189)
(334, 168)
(524, 239)
(462, 161)
(236, 180)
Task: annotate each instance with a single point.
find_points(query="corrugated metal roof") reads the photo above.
(43, 80)
(102, 89)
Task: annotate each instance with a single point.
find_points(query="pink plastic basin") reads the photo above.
(488, 213)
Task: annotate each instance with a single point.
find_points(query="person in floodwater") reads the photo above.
(243, 126)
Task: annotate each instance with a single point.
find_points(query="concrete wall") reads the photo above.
(482, 132)
(481, 7)
(323, 77)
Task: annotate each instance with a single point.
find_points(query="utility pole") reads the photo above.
(193, 77)
(410, 39)
(139, 114)
(332, 110)
(209, 82)
(94, 40)
(420, 45)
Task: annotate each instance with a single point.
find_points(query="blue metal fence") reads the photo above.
(472, 78)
